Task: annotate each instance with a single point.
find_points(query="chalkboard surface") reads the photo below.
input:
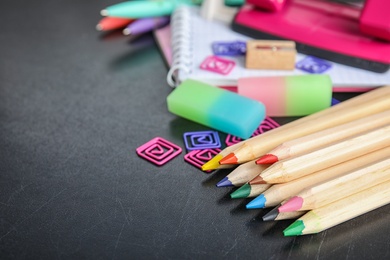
(74, 106)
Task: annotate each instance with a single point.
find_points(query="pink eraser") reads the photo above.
(289, 95)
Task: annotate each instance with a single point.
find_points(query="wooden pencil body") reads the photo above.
(279, 192)
(375, 101)
(334, 134)
(345, 185)
(323, 218)
(245, 172)
(297, 167)
(290, 215)
(257, 189)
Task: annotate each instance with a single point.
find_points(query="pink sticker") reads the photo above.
(218, 65)
(200, 157)
(265, 126)
(158, 151)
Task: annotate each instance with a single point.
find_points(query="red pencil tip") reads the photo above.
(267, 159)
(229, 159)
(293, 204)
(257, 180)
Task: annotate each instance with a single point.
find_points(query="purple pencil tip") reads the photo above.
(224, 183)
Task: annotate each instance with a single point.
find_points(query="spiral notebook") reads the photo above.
(191, 40)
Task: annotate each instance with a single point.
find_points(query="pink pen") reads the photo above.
(144, 25)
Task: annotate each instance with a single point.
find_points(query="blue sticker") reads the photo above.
(202, 140)
(313, 65)
(229, 48)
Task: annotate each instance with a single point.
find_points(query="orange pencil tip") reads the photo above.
(267, 159)
(229, 159)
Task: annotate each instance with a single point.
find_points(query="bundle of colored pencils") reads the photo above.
(322, 169)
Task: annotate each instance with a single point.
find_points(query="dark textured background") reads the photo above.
(74, 106)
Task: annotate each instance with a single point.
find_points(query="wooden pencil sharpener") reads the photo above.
(271, 55)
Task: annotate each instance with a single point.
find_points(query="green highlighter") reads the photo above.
(217, 108)
(145, 8)
(234, 2)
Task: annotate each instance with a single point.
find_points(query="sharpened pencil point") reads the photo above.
(224, 183)
(104, 12)
(257, 203)
(212, 164)
(267, 159)
(295, 229)
(293, 204)
(272, 215)
(242, 192)
(229, 159)
(99, 27)
(257, 180)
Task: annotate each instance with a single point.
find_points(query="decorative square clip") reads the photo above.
(158, 151)
(267, 124)
(217, 65)
(313, 65)
(272, 55)
(236, 48)
(199, 157)
(201, 140)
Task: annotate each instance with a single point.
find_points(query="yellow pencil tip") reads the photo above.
(212, 164)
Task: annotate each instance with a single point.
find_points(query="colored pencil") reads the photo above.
(249, 191)
(339, 187)
(328, 216)
(113, 23)
(242, 174)
(369, 103)
(280, 192)
(274, 215)
(325, 137)
(213, 164)
(297, 167)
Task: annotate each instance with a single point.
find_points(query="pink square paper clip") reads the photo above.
(218, 65)
(267, 124)
(199, 157)
(158, 151)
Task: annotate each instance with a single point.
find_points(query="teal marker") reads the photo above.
(143, 9)
(234, 2)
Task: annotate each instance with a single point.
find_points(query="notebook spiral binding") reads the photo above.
(181, 45)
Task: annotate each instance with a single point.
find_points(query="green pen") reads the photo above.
(142, 9)
(234, 2)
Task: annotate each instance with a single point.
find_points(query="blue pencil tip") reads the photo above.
(224, 183)
(257, 203)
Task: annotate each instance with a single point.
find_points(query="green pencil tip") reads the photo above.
(295, 229)
(242, 192)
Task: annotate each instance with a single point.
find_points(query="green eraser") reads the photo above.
(217, 108)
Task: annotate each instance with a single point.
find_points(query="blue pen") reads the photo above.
(143, 9)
